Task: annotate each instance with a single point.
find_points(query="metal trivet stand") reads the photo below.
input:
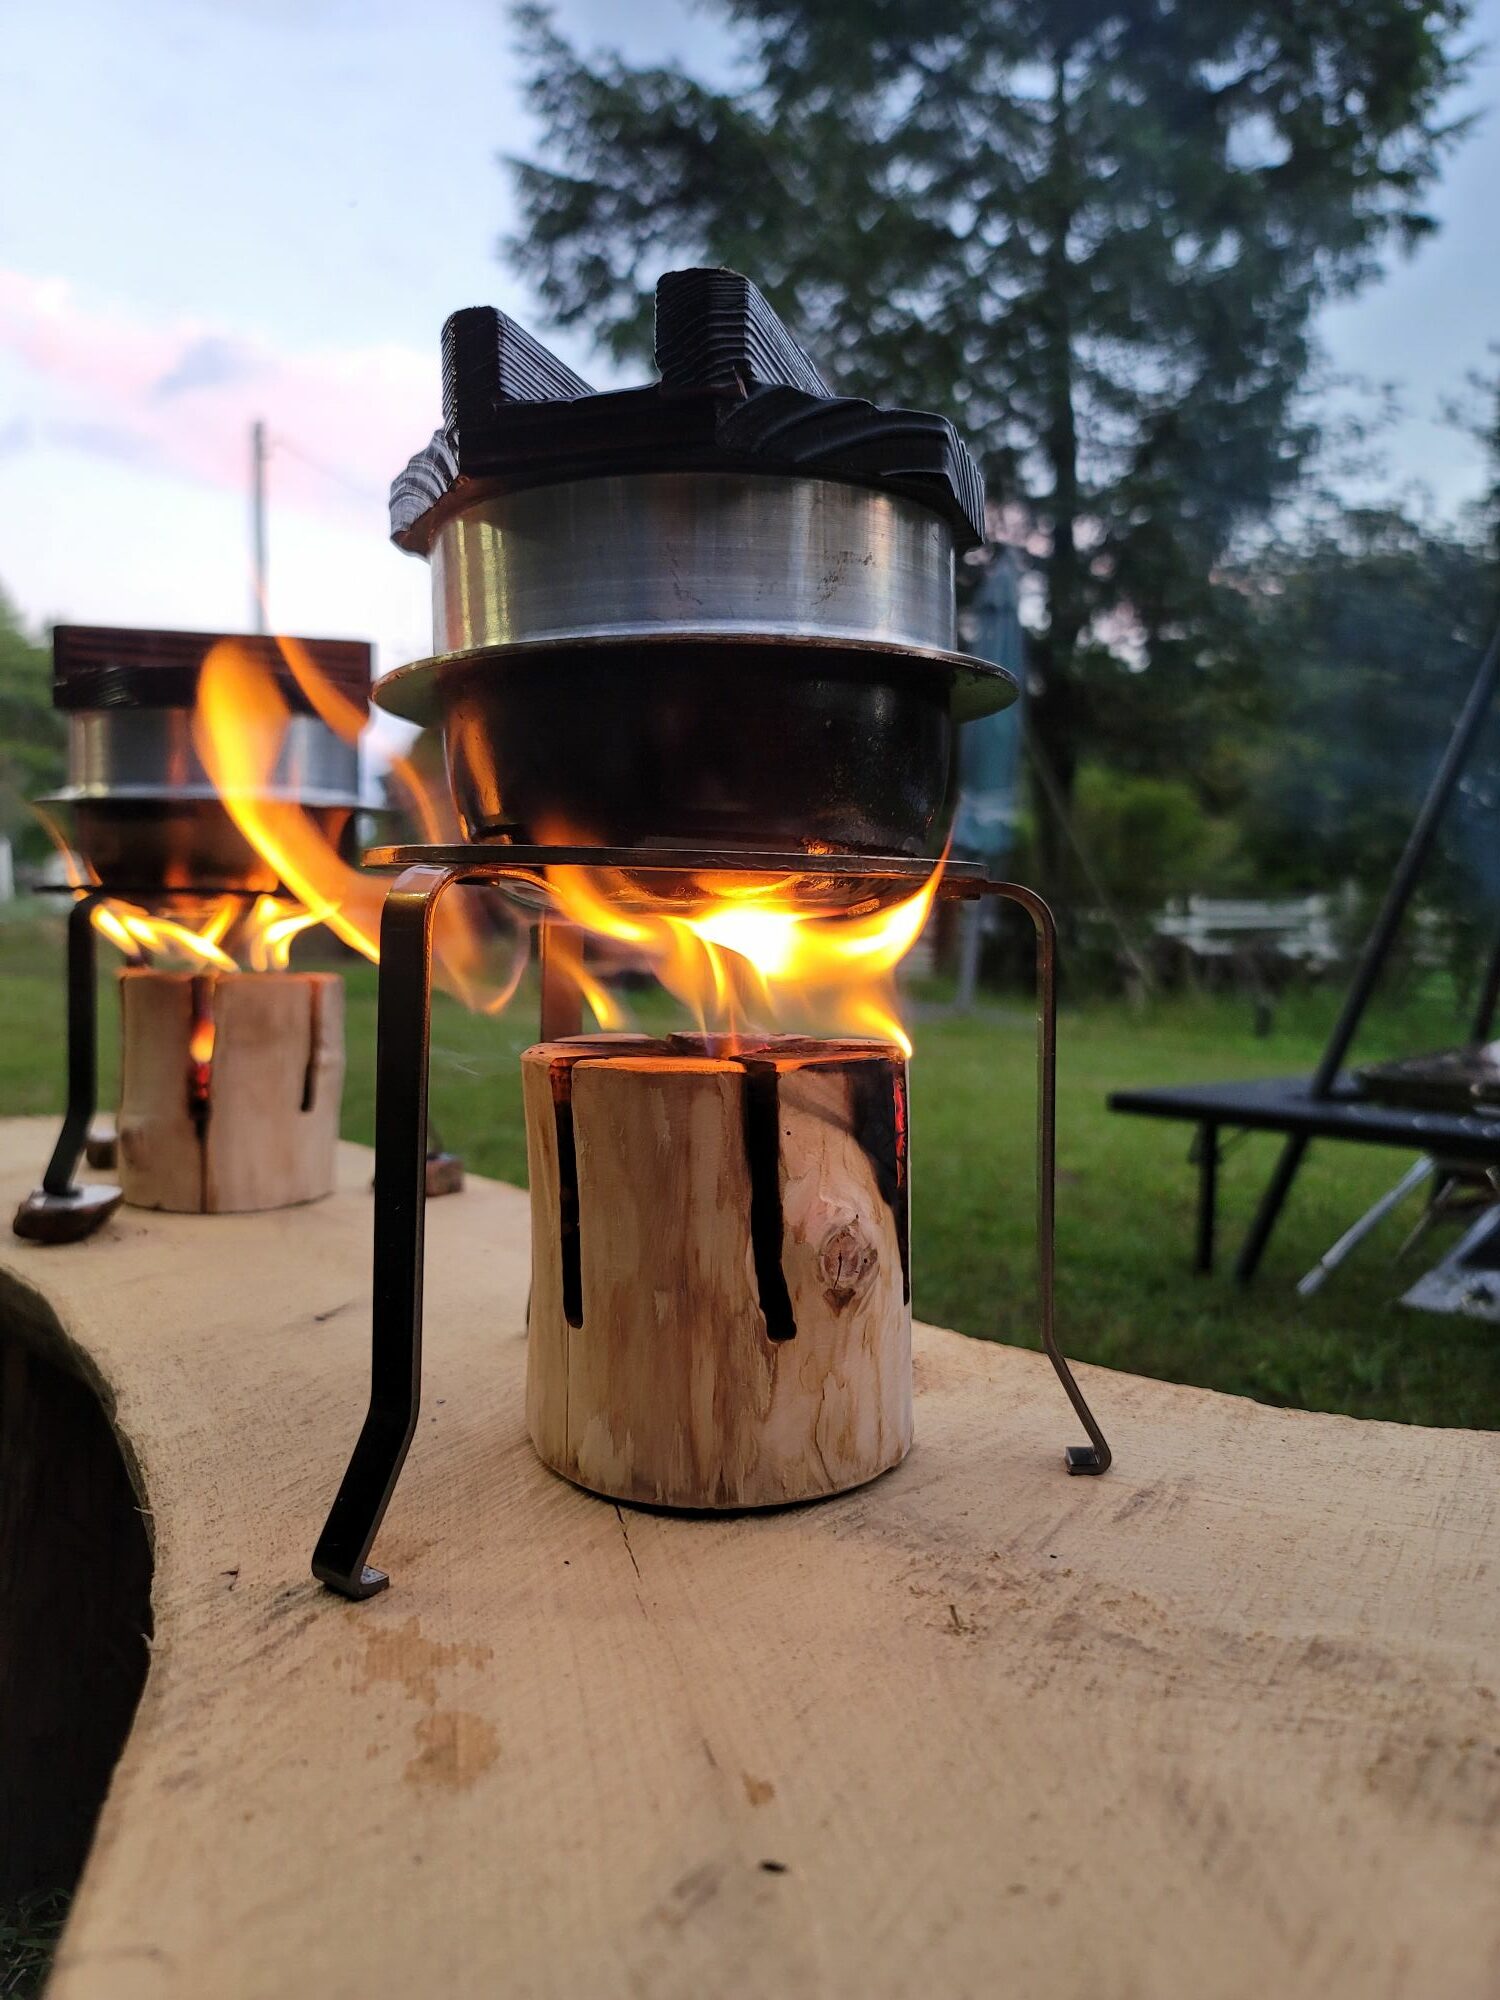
(403, 1039)
(60, 1189)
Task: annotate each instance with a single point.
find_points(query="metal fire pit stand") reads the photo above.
(403, 1040)
(60, 1189)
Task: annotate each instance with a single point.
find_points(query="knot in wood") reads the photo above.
(847, 1260)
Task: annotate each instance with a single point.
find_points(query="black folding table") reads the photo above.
(1291, 1105)
(1327, 1104)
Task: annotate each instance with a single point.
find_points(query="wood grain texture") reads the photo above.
(1223, 1724)
(660, 1382)
(270, 1136)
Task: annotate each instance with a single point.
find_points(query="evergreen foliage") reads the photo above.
(32, 734)
(1094, 232)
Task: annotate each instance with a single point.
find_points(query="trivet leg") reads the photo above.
(1096, 1455)
(83, 1048)
(402, 1039)
(62, 1209)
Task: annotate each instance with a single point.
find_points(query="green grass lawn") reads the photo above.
(1127, 1296)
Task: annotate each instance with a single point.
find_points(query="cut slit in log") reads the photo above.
(229, 1089)
(721, 1301)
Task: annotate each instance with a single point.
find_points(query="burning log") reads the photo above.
(229, 1089)
(720, 1306)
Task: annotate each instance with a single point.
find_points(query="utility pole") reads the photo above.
(258, 523)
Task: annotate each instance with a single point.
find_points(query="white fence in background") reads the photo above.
(1303, 929)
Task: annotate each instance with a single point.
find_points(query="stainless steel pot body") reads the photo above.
(144, 813)
(651, 554)
(149, 753)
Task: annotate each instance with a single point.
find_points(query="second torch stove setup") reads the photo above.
(158, 850)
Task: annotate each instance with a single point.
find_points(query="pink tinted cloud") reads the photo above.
(179, 397)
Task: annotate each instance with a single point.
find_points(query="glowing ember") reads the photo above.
(201, 1041)
(201, 1048)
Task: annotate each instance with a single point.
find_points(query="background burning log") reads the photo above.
(720, 1305)
(229, 1088)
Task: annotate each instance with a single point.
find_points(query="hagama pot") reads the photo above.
(710, 611)
(140, 807)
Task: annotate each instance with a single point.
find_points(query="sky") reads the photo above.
(223, 210)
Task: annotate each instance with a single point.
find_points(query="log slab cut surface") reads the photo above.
(1222, 1724)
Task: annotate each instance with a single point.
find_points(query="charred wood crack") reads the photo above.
(877, 1096)
(561, 1073)
(762, 1117)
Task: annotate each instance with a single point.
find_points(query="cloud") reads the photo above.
(209, 362)
(113, 441)
(110, 441)
(179, 397)
(103, 441)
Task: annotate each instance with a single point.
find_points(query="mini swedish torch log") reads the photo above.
(720, 1305)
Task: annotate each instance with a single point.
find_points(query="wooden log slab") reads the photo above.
(720, 1291)
(1223, 1723)
(230, 1085)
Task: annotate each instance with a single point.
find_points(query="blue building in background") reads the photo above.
(989, 803)
(990, 749)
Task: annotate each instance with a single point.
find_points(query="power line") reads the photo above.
(362, 492)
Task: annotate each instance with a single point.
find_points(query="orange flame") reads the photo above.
(748, 955)
(263, 934)
(739, 950)
(201, 1039)
(238, 729)
(239, 726)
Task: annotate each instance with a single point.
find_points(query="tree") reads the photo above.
(1094, 232)
(1373, 631)
(32, 733)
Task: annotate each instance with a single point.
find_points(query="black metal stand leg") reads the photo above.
(1271, 1204)
(83, 1048)
(1096, 1455)
(402, 1039)
(1208, 1195)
